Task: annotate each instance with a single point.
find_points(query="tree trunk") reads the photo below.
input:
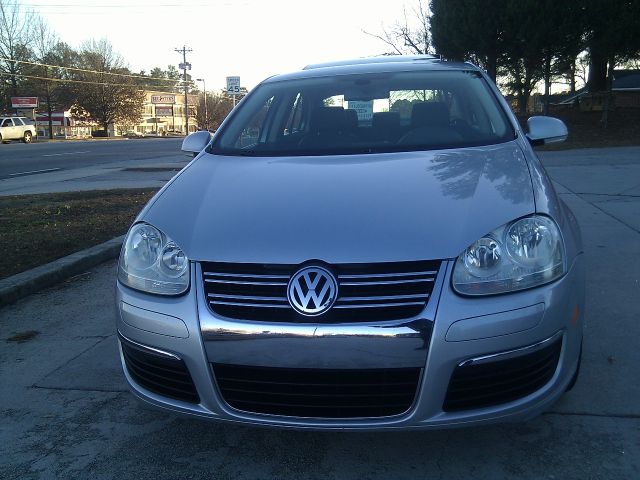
(597, 81)
(50, 114)
(49, 108)
(547, 83)
(492, 67)
(604, 120)
(572, 76)
(522, 102)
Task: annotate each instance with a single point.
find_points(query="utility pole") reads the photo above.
(185, 66)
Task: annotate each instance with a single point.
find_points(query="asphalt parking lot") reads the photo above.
(65, 411)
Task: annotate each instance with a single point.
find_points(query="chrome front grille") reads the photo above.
(366, 292)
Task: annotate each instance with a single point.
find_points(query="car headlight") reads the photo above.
(522, 254)
(152, 262)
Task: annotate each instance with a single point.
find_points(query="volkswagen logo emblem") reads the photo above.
(312, 291)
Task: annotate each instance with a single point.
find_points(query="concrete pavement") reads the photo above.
(65, 411)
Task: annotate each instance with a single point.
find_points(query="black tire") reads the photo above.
(28, 136)
(574, 379)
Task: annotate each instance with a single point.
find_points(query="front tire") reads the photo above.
(28, 136)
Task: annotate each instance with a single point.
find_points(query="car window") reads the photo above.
(7, 123)
(18, 121)
(366, 113)
(251, 133)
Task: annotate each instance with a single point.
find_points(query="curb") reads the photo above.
(26, 283)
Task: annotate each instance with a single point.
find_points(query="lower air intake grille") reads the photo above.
(502, 381)
(319, 393)
(161, 375)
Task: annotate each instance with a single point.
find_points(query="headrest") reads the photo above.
(386, 120)
(328, 118)
(351, 118)
(429, 114)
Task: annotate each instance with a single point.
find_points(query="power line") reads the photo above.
(61, 80)
(146, 77)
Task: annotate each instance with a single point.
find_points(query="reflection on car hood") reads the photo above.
(355, 208)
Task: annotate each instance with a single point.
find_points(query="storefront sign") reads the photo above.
(164, 111)
(163, 99)
(24, 102)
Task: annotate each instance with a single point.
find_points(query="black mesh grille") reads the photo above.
(318, 393)
(366, 292)
(161, 375)
(502, 381)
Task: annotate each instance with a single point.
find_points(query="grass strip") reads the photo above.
(37, 229)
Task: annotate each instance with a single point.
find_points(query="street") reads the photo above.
(43, 167)
(66, 412)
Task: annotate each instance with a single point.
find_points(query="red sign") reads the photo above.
(163, 99)
(24, 102)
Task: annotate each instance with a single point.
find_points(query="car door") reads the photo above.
(8, 129)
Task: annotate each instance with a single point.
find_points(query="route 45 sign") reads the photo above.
(233, 85)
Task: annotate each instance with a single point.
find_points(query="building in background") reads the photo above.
(162, 114)
(63, 125)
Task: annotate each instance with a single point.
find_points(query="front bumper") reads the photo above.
(452, 330)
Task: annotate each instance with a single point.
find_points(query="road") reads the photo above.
(43, 167)
(65, 411)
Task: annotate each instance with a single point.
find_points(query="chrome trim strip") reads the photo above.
(383, 297)
(244, 275)
(388, 282)
(387, 275)
(246, 297)
(238, 304)
(372, 305)
(146, 347)
(511, 353)
(241, 282)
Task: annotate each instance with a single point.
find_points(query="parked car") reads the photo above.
(133, 134)
(369, 244)
(16, 128)
(99, 133)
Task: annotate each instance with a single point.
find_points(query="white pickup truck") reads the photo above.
(16, 128)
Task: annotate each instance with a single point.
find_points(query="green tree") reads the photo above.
(612, 35)
(469, 30)
(169, 80)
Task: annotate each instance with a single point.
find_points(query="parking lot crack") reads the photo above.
(79, 389)
(70, 360)
(580, 195)
(629, 416)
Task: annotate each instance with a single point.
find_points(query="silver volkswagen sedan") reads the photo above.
(367, 244)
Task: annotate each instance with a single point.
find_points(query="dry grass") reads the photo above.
(36, 229)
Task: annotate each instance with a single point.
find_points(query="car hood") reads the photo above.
(337, 209)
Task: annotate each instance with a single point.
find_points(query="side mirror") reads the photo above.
(195, 142)
(543, 130)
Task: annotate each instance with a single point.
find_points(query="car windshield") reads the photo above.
(365, 113)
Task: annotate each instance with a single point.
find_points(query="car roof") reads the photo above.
(383, 64)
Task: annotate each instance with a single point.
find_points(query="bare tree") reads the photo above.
(106, 93)
(44, 44)
(14, 35)
(409, 36)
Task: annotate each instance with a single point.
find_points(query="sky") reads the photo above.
(252, 39)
